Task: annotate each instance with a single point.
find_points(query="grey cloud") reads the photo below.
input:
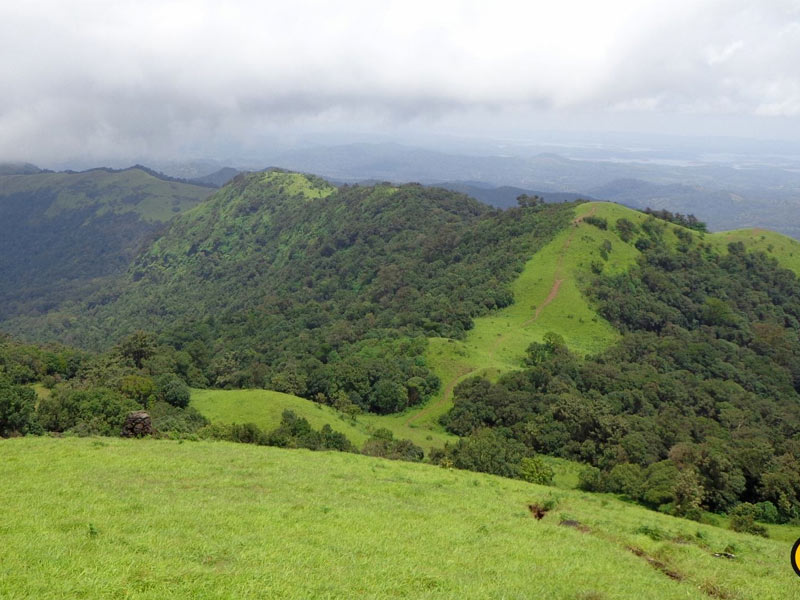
(120, 79)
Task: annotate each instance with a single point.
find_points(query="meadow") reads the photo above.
(111, 518)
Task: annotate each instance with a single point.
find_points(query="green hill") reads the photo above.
(153, 519)
(64, 235)
(282, 281)
(549, 296)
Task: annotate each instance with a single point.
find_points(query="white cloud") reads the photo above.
(106, 77)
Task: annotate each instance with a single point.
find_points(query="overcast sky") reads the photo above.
(112, 78)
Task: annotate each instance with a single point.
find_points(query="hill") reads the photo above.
(281, 280)
(122, 518)
(549, 296)
(63, 234)
(505, 196)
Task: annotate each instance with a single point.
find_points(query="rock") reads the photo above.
(137, 424)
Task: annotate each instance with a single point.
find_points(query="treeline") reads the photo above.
(688, 221)
(90, 394)
(283, 282)
(696, 408)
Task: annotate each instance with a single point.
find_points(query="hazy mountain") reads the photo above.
(61, 232)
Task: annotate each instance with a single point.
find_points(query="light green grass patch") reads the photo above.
(297, 184)
(547, 297)
(264, 408)
(784, 249)
(148, 519)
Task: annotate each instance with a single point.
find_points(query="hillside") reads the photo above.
(120, 518)
(282, 281)
(549, 296)
(63, 234)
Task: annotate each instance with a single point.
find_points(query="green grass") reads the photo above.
(264, 408)
(298, 184)
(147, 519)
(128, 191)
(547, 297)
(784, 249)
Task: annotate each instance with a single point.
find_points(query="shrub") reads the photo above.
(535, 470)
(171, 389)
(383, 444)
(743, 519)
(16, 409)
(591, 479)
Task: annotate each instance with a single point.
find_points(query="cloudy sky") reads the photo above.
(112, 78)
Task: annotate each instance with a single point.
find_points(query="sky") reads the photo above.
(111, 79)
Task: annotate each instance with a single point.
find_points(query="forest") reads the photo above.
(695, 408)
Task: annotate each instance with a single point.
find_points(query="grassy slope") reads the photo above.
(113, 518)
(264, 408)
(548, 298)
(498, 341)
(131, 190)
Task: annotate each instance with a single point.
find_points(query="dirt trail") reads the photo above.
(558, 279)
(448, 391)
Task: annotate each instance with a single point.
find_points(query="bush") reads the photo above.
(767, 512)
(171, 389)
(535, 470)
(17, 404)
(626, 478)
(96, 411)
(383, 444)
(591, 479)
(489, 451)
(743, 520)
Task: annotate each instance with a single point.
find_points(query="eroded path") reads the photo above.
(552, 296)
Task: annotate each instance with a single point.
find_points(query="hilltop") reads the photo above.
(149, 519)
(65, 235)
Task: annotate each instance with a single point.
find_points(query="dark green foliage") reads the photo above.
(66, 236)
(599, 222)
(167, 418)
(591, 479)
(696, 408)
(488, 451)
(272, 283)
(743, 519)
(296, 432)
(626, 478)
(687, 221)
(17, 405)
(94, 411)
(766, 512)
(626, 229)
(171, 389)
(383, 444)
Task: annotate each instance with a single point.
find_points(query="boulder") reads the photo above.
(137, 424)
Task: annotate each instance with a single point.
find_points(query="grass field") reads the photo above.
(148, 519)
(264, 408)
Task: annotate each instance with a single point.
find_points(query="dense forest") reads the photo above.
(697, 407)
(285, 282)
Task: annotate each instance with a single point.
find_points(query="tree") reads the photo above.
(172, 390)
(16, 409)
(489, 451)
(743, 519)
(138, 347)
(535, 470)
